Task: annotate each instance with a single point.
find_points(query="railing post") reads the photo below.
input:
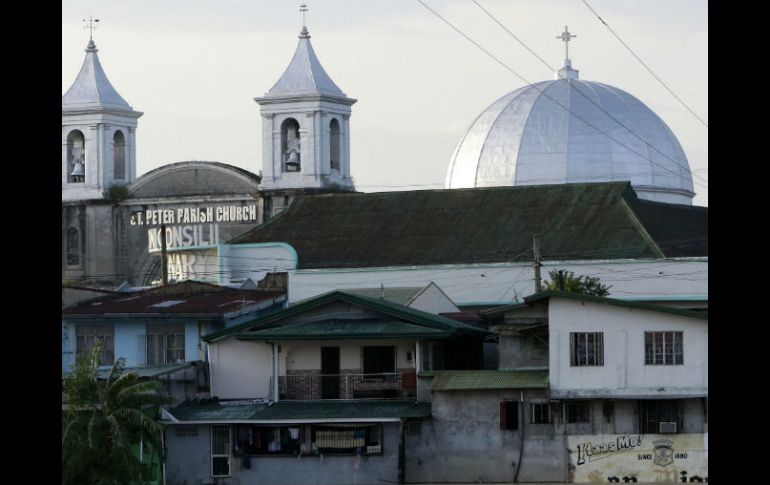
(347, 387)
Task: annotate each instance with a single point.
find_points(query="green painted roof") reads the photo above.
(461, 380)
(391, 310)
(612, 301)
(293, 410)
(344, 329)
(483, 225)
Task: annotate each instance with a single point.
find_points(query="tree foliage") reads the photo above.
(102, 419)
(562, 280)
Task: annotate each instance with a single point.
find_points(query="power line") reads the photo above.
(644, 64)
(543, 93)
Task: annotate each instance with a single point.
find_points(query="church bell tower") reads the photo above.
(98, 133)
(305, 126)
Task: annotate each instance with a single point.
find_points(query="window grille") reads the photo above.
(220, 451)
(663, 348)
(186, 430)
(587, 349)
(654, 412)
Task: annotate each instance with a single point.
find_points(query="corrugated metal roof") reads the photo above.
(344, 329)
(481, 225)
(193, 297)
(149, 371)
(295, 410)
(401, 295)
(489, 379)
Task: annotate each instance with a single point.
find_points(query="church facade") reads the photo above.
(114, 224)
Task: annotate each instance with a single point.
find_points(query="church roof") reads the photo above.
(484, 225)
(91, 88)
(570, 131)
(305, 74)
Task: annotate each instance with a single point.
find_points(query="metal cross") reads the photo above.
(303, 9)
(565, 37)
(90, 26)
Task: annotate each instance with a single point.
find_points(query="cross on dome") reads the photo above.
(566, 37)
(91, 27)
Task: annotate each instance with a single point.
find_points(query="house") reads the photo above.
(328, 386)
(627, 386)
(158, 331)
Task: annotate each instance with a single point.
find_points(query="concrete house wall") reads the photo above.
(624, 372)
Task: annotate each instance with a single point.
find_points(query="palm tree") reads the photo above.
(102, 419)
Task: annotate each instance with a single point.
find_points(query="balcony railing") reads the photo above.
(309, 387)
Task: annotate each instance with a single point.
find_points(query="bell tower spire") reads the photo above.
(305, 125)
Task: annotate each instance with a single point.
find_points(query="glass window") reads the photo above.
(587, 349)
(165, 344)
(89, 335)
(663, 348)
(540, 413)
(577, 412)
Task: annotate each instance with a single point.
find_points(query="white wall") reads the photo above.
(433, 300)
(463, 284)
(307, 355)
(240, 370)
(624, 372)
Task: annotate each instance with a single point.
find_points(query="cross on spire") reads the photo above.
(91, 27)
(566, 37)
(303, 9)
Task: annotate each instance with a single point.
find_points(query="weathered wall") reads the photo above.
(624, 371)
(522, 351)
(463, 442)
(189, 462)
(306, 355)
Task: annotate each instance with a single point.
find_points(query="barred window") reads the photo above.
(586, 349)
(577, 412)
(220, 450)
(165, 344)
(540, 413)
(663, 348)
(88, 336)
(73, 247)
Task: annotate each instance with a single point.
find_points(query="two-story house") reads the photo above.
(324, 391)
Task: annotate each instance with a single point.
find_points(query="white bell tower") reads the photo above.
(305, 126)
(98, 133)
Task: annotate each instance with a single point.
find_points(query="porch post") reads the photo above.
(275, 372)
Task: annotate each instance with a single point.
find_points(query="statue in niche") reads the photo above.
(292, 154)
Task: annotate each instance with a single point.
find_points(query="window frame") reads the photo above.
(157, 339)
(579, 410)
(228, 444)
(98, 332)
(660, 350)
(674, 413)
(592, 352)
(377, 365)
(539, 414)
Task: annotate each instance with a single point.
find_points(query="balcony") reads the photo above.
(311, 387)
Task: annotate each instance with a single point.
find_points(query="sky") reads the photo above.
(194, 66)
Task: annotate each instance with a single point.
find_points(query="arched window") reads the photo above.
(334, 144)
(290, 146)
(119, 155)
(73, 247)
(76, 157)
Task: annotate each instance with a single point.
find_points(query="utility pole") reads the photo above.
(163, 256)
(536, 262)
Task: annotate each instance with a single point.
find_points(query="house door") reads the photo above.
(330, 369)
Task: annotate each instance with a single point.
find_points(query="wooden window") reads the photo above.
(509, 415)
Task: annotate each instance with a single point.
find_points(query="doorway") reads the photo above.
(330, 369)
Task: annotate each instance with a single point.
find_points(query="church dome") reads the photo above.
(528, 137)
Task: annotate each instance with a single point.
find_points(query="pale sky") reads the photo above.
(194, 66)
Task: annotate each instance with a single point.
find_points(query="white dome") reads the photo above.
(526, 138)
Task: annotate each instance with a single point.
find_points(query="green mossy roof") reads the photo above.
(489, 379)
